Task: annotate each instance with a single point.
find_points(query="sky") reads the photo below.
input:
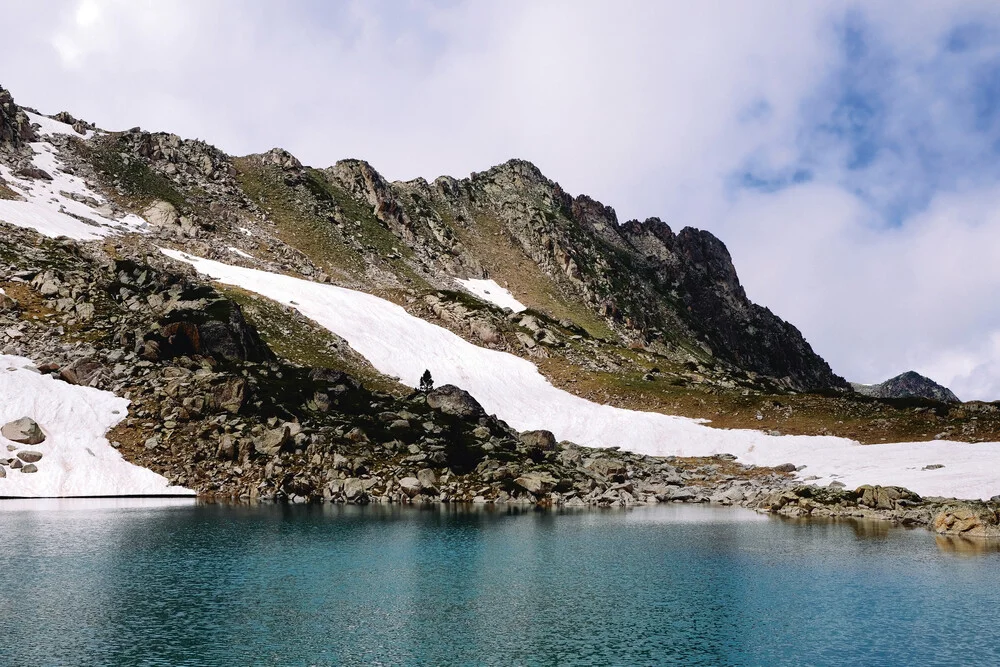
(845, 152)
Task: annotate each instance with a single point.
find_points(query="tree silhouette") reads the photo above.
(426, 382)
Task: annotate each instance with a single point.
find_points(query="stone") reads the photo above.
(29, 456)
(24, 430)
(427, 479)
(273, 440)
(536, 482)
(605, 467)
(85, 372)
(541, 440)
(410, 486)
(226, 450)
(31, 467)
(230, 395)
(967, 520)
(785, 467)
(354, 489)
(451, 400)
(161, 214)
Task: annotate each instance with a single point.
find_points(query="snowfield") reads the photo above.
(77, 459)
(64, 206)
(488, 290)
(402, 345)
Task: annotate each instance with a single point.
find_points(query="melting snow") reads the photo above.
(49, 127)
(488, 290)
(239, 252)
(398, 344)
(64, 206)
(77, 459)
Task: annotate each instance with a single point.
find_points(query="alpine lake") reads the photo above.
(175, 582)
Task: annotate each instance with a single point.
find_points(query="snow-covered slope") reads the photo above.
(77, 460)
(64, 206)
(489, 290)
(399, 344)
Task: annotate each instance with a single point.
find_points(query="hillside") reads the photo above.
(236, 394)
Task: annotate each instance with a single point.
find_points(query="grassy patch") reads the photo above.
(861, 418)
(303, 342)
(129, 175)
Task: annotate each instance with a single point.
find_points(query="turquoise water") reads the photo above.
(162, 583)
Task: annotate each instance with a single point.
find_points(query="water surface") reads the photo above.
(171, 583)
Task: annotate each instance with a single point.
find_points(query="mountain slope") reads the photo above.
(635, 285)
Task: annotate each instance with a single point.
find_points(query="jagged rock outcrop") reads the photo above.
(908, 385)
(15, 128)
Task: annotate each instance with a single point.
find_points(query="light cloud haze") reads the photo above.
(846, 152)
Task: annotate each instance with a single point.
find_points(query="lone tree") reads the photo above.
(426, 381)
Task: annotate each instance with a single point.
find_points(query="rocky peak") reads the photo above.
(282, 159)
(15, 128)
(515, 173)
(908, 385)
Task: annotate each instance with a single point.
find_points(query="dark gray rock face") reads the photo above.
(15, 128)
(908, 385)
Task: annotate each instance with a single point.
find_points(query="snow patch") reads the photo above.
(402, 345)
(64, 206)
(488, 290)
(49, 127)
(77, 459)
(239, 252)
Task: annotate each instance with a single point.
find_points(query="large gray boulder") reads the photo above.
(536, 483)
(24, 430)
(541, 440)
(451, 400)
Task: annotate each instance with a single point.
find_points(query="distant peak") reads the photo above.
(908, 385)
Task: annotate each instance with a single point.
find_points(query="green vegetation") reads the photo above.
(129, 174)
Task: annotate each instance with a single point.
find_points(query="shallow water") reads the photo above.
(171, 583)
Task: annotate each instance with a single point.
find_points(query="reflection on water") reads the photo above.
(216, 584)
(90, 504)
(967, 546)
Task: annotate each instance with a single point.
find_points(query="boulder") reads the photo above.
(24, 430)
(31, 467)
(229, 395)
(354, 489)
(29, 456)
(85, 372)
(427, 479)
(967, 520)
(451, 400)
(537, 483)
(161, 214)
(410, 486)
(541, 440)
(272, 440)
(607, 468)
